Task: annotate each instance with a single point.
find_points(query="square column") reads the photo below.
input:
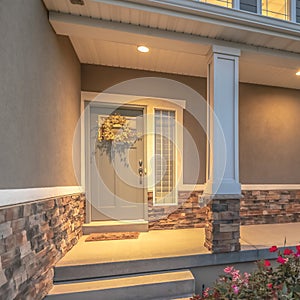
(223, 190)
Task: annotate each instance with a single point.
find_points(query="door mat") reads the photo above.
(112, 236)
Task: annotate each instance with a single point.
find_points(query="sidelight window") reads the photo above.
(165, 157)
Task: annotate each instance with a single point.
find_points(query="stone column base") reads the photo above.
(222, 228)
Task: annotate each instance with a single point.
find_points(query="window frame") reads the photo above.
(176, 150)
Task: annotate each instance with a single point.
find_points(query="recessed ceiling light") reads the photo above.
(298, 73)
(143, 49)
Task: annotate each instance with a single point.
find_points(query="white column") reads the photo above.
(222, 122)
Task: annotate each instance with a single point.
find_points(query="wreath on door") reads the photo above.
(115, 129)
(115, 137)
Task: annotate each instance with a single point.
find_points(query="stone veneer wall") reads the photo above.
(269, 207)
(222, 229)
(187, 214)
(33, 237)
(257, 207)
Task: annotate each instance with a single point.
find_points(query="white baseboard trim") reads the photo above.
(269, 187)
(17, 196)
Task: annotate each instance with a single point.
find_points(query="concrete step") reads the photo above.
(163, 286)
(85, 271)
(115, 226)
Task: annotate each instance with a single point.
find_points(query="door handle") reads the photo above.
(141, 170)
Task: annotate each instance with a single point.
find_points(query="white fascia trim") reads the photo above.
(269, 187)
(212, 13)
(123, 99)
(18, 196)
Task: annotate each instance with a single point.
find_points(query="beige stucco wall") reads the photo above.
(268, 119)
(269, 134)
(39, 99)
(100, 78)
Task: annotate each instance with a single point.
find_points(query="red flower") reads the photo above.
(281, 260)
(298, 248)
(287, 251)
(228, 269)
(267, 263)
(270, 285)
(273, 249)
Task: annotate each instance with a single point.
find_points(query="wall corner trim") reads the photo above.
(18, 196)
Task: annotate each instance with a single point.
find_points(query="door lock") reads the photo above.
(141, 170)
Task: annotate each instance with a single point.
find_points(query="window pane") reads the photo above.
(276, 9)
(298, 11)
(165, 157)
(248, 5)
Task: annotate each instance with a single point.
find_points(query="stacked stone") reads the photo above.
(186, 214)
(33, 237)
(222, 229)
(270, 207)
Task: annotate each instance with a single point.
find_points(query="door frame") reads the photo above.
(109, 99)
(88, 158)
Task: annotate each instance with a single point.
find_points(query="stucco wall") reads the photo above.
(101, 78)
(268, 125)
(269, 135)
(40, 99)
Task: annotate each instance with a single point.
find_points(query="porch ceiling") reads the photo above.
(108, 34)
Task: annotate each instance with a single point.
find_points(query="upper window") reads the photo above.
(279, 9)
(276, 8)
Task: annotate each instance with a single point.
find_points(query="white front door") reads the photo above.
(116, 169)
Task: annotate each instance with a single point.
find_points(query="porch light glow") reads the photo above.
(143, 49)
(298, 73)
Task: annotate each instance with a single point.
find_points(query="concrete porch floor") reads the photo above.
(255, 241)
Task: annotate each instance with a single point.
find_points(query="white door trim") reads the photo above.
(120, 99)
(123, 98)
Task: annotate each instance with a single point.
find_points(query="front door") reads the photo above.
(117, 165)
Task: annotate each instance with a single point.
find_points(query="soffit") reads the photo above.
(225, 24)
(177, 45)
